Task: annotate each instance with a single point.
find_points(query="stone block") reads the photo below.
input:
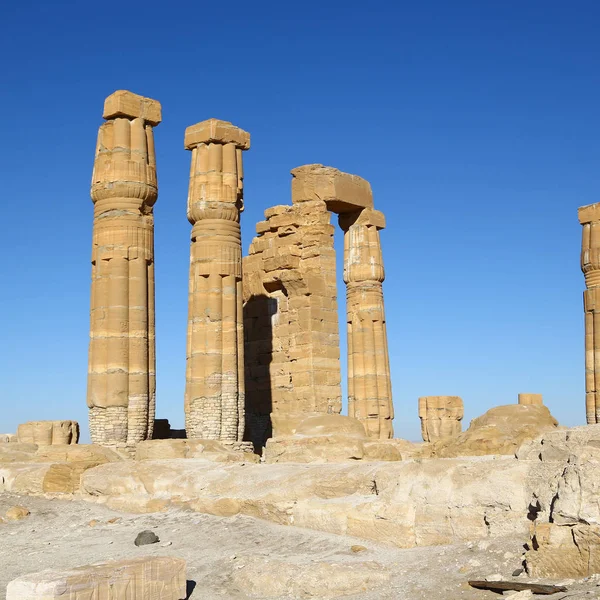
(589, 213)
(211, 450)
(501, 430)
(315, 424)
(48, 433)
(440, 416)
(123, 103)
(313, 449)
(342, 192)
(216, 131)
(529, 399)
(149, 578)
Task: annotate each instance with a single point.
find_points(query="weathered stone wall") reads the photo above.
(292, 349)
(290, 306)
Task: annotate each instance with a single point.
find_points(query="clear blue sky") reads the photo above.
(475, 122)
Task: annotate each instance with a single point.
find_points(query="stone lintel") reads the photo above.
(589, 213)
(216, 131)
(342, 192)
(132, 106)
(367, 216)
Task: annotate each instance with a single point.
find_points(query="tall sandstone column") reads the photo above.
(121, 372)
(589, 217)
(214, 395)
(369, 383)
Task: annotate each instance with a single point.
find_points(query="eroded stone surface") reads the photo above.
(401, 503)
(565, 535)
(202, 449)
(48, 433)
(440, 416)
(149, 578)
(501, 430)
(262, 578)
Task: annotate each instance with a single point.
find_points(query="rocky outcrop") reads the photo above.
(564, 508)
(29, 469)
(148, 577)
(501, 430)
(405, 503)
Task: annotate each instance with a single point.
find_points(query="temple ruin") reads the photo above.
(264, 437)
(589, 217)
(214, 393)
(121, 372)
(290, 307)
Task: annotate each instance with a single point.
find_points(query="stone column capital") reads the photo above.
(125, 104)
(589, 213)
(368, 217)
(215, 131)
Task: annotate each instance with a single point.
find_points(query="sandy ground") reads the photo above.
(223, 554)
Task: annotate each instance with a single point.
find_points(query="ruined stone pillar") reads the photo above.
(531, 399)
(121, 372)
(214, 396)
(589, 217)
(369, 383)
(440, 416)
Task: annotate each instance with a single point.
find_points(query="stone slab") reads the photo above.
(148, 578)
(123, 103)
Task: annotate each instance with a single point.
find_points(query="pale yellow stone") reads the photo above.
(536, 399)
(440, 416)
(215, 393)
(290, 308)
(17, 513)
(216, 131)
(123, 103)
(121, 367)
(501, 430)
(589, 217)
(47, 433)
(150, 578)
(343, 192)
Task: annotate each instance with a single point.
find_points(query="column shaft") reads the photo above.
(369, 384)
(214, 399)
(121, 366)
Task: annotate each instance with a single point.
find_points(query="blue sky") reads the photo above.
(475, 122)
